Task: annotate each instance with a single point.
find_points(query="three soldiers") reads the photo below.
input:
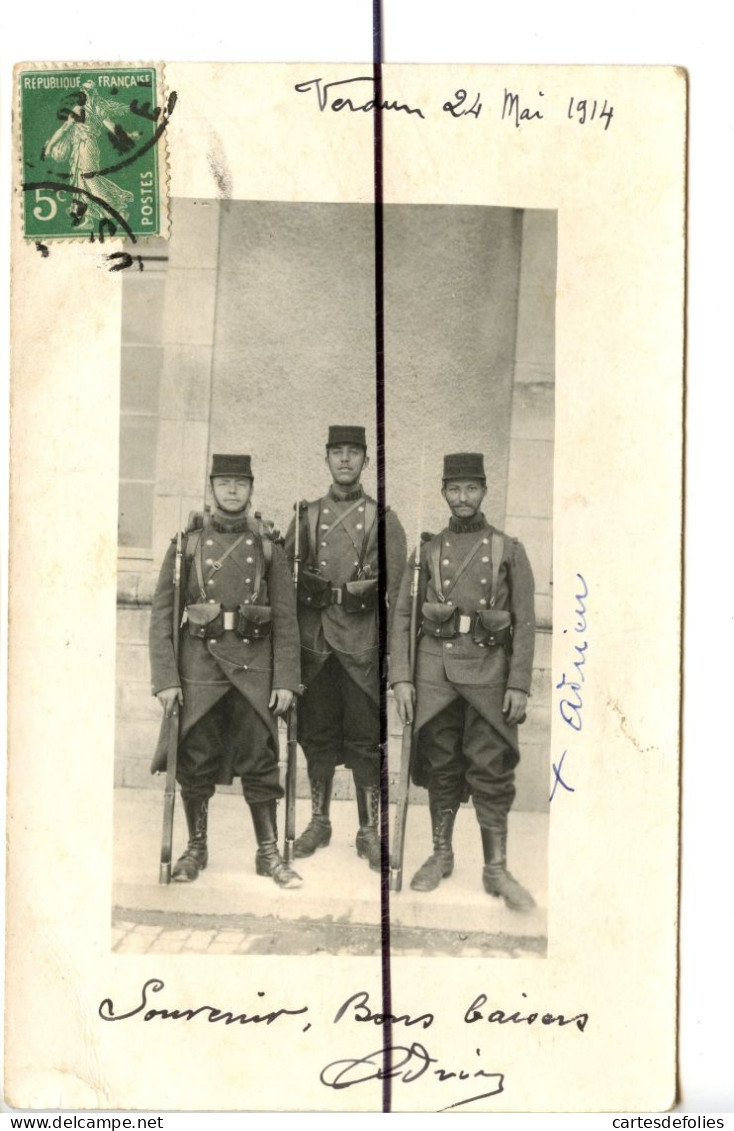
(473, 674)
(238, 666)
(240, 662)
(339, 713)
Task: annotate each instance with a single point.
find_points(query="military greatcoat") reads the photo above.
(457, 571)
(232, 575)
(337, 536)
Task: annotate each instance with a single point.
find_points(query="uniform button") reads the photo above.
(212, 601)
(361, 508)
(483, 601)
(245, 642)
(249, 560)
(485, 559)
(323, 562)
(449, 644)
(209, 542)
(248, 541)
(246, 601)
(447, 543)
(324, 526)
(485, 541)
(325, 510)
(446, 561)
(323, 543)
(482, 581)
(210, 581)
(358, 526)
(244, 667)
(356, 563)
(209, 561)
(449, 602)
(248, 581)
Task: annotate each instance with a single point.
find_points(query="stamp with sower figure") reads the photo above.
(92, 162)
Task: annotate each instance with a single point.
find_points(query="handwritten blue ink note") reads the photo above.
(571, 700)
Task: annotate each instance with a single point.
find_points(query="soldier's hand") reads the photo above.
(405, 701)
(280, 700)
(170, 699)
(514, 706)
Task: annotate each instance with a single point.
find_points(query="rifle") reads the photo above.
(292, 739)
(406, 750)
(169, 793)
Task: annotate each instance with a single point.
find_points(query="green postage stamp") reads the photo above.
(93, 151)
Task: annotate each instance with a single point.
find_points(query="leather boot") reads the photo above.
(268, 861)
(195, 857)
(495, 877)
(441, 864)
(368, 837)
(317, 833)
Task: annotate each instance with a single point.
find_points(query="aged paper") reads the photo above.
(595, 155)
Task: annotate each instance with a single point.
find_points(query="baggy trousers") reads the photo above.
(231, 740)
(459, 745)
(339, 722)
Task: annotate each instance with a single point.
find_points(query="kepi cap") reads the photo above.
(231, 465)
(464, 465)
(347, 434)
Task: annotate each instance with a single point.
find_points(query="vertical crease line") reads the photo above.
(382, 554)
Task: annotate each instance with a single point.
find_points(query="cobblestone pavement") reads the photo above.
(145, 932)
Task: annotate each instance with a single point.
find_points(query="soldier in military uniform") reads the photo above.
(338, 716)
(238, 666)
(473, 673)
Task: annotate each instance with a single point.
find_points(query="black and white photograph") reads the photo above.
(248, 382)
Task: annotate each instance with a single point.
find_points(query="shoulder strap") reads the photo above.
(498, 546)
(472, 553)
(434, 558)
(370, 526)
(217, 565)
(264, 558)
(313, 510)
(345, 514)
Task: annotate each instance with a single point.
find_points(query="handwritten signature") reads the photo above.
(407, 1063)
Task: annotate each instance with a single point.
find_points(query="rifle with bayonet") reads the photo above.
(174, 722)
(406, 751)
(292, 723)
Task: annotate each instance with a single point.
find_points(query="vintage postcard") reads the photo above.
(348, 408)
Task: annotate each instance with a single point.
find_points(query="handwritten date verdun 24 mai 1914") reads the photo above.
(358, 94)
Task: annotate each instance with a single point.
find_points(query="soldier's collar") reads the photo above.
(467, 525)
(229, 524)
(349, 497)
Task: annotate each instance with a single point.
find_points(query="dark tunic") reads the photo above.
(208, 669)
(351, 638)
(460, 668)
(338, 719)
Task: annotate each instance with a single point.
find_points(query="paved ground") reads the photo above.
(230, 910)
